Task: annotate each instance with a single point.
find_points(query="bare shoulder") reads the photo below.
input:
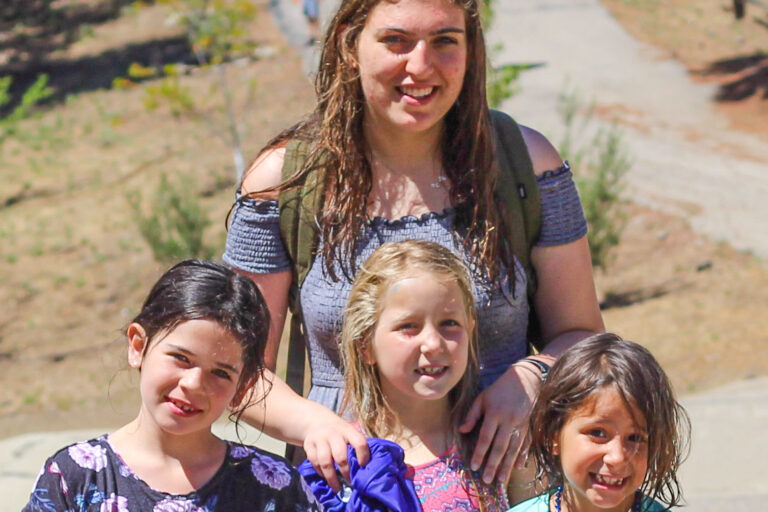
(543, 154)
(265, 172)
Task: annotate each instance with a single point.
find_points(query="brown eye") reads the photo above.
(222, 374)
(179, 357)
(597, 433)
(446, 41)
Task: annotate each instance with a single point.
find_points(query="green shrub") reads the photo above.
(36, 93)
(599, 164)
(175, 224)
(500, 80)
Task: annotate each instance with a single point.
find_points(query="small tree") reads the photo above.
(217, 33)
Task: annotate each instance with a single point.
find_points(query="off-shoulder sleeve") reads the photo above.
(253, 239)
(562, 216)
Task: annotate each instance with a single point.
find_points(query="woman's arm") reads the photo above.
(566, 300)
(566, 303)
(284, 414)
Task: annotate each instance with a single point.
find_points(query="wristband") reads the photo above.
(543, 367)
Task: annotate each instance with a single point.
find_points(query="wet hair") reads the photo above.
(204, 290)
(334, 141)
(583, 371)
(390, 263)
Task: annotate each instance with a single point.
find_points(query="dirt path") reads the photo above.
(687, 161)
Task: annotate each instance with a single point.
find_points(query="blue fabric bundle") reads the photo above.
(380, 486)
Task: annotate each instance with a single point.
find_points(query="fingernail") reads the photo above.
(487, 479)
(474, 466)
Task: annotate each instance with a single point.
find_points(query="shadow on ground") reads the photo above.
(31, 31)
(748, 76)
(626, 298)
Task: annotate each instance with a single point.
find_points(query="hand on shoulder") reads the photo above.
(265, 172)
(543, 154)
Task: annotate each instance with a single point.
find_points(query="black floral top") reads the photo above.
(91, 476)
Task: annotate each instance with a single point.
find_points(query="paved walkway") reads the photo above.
(687, 161)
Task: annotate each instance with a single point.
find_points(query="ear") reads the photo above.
(555, 448)
(137, 344)
(367, 353)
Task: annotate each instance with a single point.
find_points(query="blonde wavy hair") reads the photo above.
(392, 262)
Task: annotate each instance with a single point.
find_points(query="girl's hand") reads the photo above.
(327, 443)
(504, 408)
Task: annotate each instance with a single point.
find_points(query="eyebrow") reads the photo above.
(608, 419)
(217, 363)
(446, 30)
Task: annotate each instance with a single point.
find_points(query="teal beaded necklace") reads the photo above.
(559, 498)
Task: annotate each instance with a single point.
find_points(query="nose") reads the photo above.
(616, 452)
(431, 340)
(419, 60)
(192, 380)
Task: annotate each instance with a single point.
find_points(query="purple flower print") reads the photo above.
(88, 456)
(307, 490)
(54, 469)
(177, 505)
(114, 504)
(270, 472)
(240, 452)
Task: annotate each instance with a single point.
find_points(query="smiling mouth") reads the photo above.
(432, 371)
(418, 93)
(608, 481)
(188, 409)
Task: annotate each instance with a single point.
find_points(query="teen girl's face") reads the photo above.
(189, 377)
(412, 56)
(603, 451)
(421, 341)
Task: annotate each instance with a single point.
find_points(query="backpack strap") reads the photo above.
(298, 206)
(298, 228)
(517, 193)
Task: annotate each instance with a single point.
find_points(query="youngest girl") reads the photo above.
(607, 432)
(408, 348)
(198, 344)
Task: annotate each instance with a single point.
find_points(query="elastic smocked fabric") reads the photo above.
(253, 241)
(562, 216)
(382, 485)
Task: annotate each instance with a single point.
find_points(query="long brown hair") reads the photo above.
(607, 360)
(335, 143)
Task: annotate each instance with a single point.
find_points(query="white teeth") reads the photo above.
(183, 407)
(432, 370)
(417, 93)
(608, 481)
